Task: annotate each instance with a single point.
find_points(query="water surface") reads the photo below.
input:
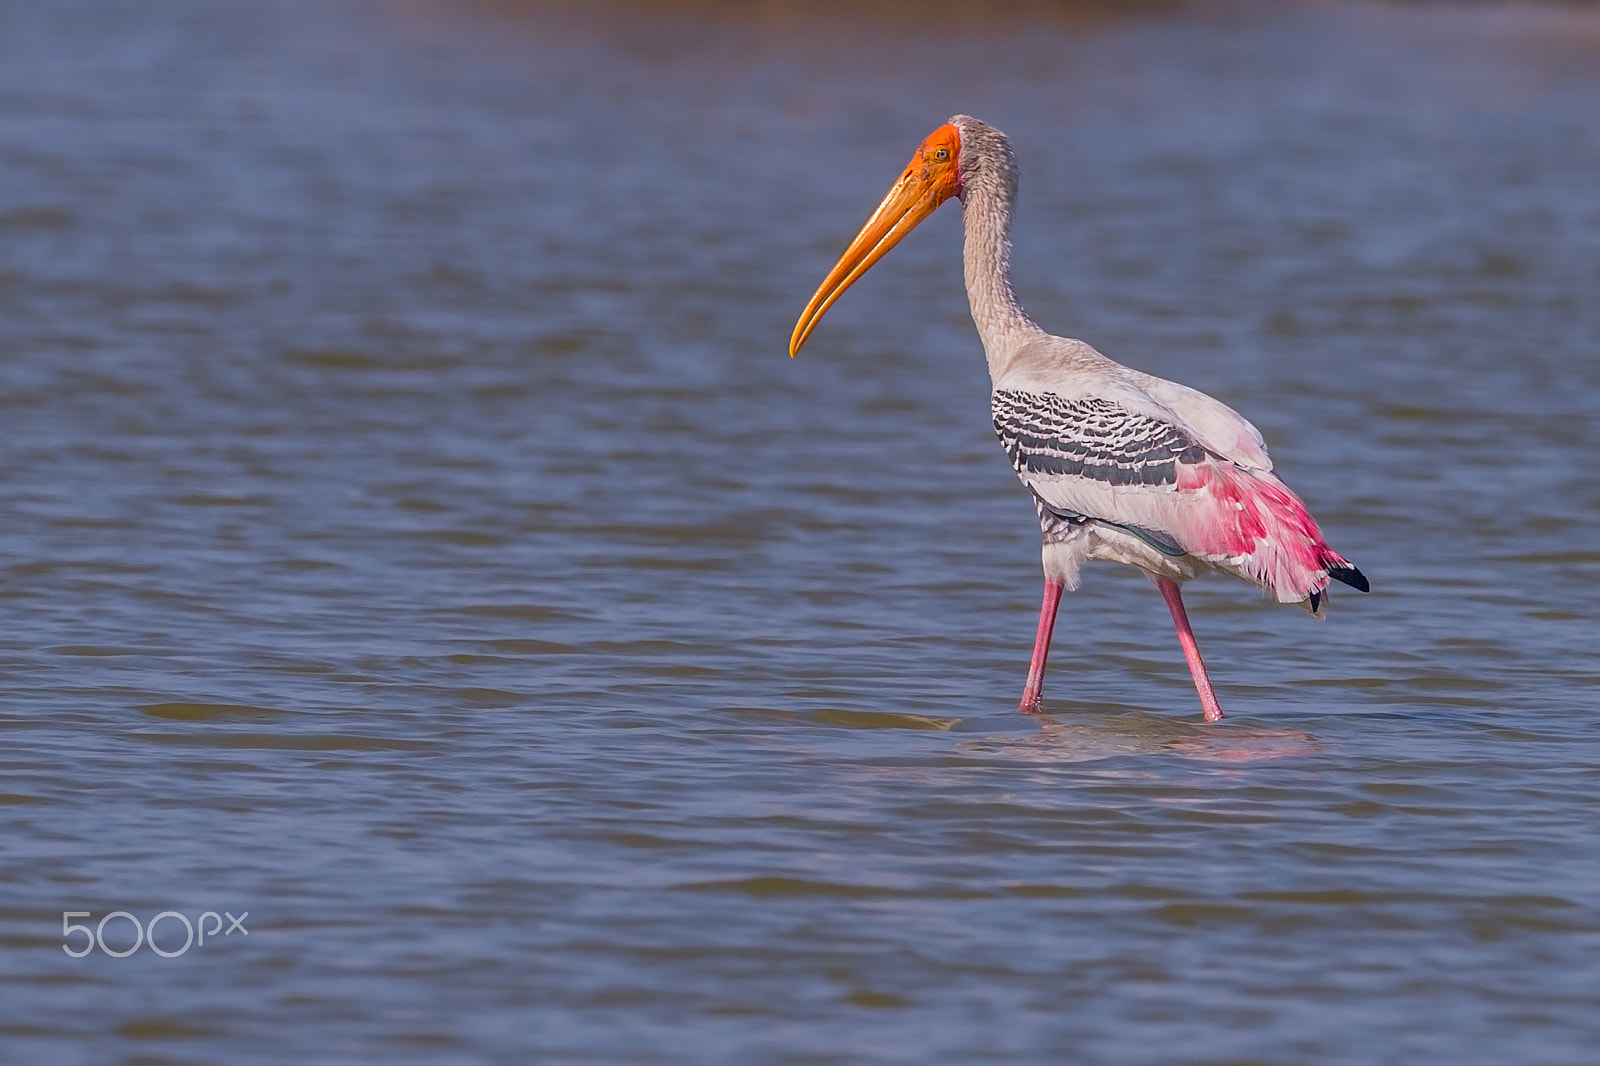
(415, 535)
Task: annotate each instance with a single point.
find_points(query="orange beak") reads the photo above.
(931, 178)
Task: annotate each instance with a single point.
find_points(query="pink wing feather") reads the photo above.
(1253, 523)
(1169, 461)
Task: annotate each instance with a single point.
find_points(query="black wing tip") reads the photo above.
(1350, 576)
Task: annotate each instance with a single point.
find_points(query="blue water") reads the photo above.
(416, 537)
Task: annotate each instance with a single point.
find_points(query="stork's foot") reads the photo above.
(1033, 691)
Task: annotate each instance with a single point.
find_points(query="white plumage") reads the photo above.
(1123, 466)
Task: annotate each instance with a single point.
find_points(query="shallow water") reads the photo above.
(416, 537)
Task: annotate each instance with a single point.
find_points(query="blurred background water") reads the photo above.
(415, 535)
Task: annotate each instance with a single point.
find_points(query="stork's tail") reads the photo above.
(1339, 569)
(1350, 576)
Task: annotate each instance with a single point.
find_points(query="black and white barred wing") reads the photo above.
(1087, 457)
(1090, 457)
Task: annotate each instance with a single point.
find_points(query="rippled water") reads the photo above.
(415, 536)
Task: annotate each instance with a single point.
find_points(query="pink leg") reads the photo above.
(1191, 650)
(1041, 647)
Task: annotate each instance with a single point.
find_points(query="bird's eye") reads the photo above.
(943, 153)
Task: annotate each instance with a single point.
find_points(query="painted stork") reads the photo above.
(1122, 465)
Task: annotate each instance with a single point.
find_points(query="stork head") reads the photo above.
(932, 177)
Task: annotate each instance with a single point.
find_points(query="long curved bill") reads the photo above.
(931, 178)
